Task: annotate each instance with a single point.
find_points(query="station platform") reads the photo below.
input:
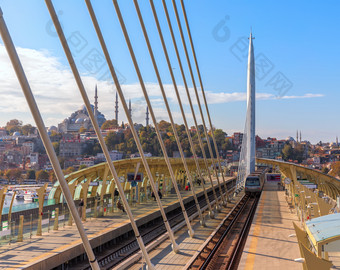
(53, 248)
(268, 245)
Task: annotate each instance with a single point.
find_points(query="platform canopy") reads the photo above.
(325, 231)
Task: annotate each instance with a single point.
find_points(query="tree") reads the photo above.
(325, 170)
(111, 140)
(62, 162)
(55, 136)
(287, 152)
(13, 126)
(96, 148)
(56, 146)
(335, 169)
(70, 170)
(13, 174)
(51, 176)
(27, 129)
(164, 126)
(109, 124)
(42, 175)
(83, 166)
(30, 174)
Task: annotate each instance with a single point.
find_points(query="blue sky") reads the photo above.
(297, 40)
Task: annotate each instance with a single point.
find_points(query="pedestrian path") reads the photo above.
(268, 245)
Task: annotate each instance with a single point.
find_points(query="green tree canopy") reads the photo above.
(110, 124)
(13, 126)
(30, 174)
(13, 174)
(42, 175)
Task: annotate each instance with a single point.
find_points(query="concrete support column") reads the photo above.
(2, 200)
(103, 190)
(21, 229)
(56, 220)
(85, 188)
(41, 196)
(10, 208)
(72, 188)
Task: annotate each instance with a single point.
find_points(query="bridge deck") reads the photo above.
(268, 245)
(52, 249)
(163, 257)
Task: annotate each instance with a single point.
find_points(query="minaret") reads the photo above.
(130, 110)
(337, 141)
(116, 108)
(300, 137)
(297, 136)
(147, 117)
(95, 103)
(250, 128)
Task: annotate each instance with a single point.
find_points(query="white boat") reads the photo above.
(28, 195)
(9, 193)
(20, 196)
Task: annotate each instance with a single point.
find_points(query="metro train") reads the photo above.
(255, 181)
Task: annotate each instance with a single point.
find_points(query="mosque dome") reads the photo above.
(79, 120)
(83, 108)
(16, 134)
(291, 139)
(52, 128)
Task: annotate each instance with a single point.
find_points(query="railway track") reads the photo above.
(111, 257)
(224, 249)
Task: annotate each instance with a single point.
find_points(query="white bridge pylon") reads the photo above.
(247, 155)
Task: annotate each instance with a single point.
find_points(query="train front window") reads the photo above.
(252, 182)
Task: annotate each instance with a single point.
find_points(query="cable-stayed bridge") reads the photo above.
(156, 197)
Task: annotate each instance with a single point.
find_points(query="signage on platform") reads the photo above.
(131, 177)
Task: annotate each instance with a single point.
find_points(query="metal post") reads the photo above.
(43, 134)
(179, 100)
(21, 229)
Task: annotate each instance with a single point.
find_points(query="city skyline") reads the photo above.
(310, 70)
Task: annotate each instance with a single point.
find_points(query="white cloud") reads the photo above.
(57, 95)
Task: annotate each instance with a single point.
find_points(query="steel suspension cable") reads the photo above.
(167, 160)
(96, 128)
(203, 91)
(146, 96)
(181, 107)
(45, 138)
(133, 130)
(170, 116)
(190, 102)
(198, 99)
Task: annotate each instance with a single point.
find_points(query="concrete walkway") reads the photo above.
(268, 245)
